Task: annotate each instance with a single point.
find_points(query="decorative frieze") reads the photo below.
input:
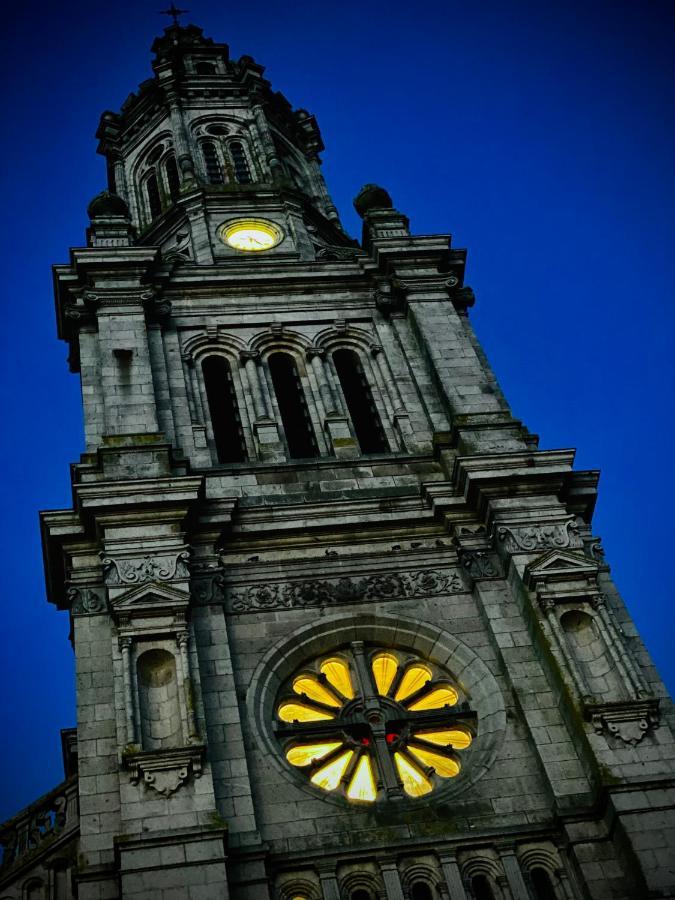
(149, 568)
(333, 591)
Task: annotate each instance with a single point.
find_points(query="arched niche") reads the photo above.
(158, 701)
(588, 648)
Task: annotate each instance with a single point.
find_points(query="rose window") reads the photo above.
(370, 723)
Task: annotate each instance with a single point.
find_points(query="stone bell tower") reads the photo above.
(342, 630)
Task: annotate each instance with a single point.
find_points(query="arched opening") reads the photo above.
(225, 421)
(205, 68)
(360, 403)
(360, 894)
(172, 177)
(214, 171)
(153, 195)
(34, 891)
(420, 891)
(242, 173)
(541, 884)
(295, 419)
(481, 888)
(159, 706)
(588, 648)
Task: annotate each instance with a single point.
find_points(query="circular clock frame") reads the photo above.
(251, 235)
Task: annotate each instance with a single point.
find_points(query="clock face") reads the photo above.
(251, 235)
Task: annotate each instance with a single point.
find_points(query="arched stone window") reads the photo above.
(242, 172)
(172, 177)
(420, 891)
(359, 399)
(360, 894)
(225, 420)
(159, 706)
(300, 437)
(153, 195)
(481, 888)
(212, 164)
(542, 887)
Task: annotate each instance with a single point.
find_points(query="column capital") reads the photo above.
(246, 355)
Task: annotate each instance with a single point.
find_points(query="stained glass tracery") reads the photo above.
(370, 724)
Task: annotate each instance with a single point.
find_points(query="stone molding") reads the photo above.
(147, 568)
(629, 720)
(347, 589)
(165, 771)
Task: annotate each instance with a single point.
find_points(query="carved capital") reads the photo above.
(85, 601)
(245, 355)
(627, 720)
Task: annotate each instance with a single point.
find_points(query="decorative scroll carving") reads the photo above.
(165, 771)
(85, 601)
(149, 568)
(325, 592)
(208, 590)
(539, 537)
(630, 721)
(480, 564)
(336, 253)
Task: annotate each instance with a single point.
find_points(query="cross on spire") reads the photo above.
(174, 12)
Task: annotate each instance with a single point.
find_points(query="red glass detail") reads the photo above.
(390, 738)
(365, 741)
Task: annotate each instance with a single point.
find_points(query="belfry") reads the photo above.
(342, 630)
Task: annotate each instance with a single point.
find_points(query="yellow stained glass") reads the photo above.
(416, 676)
(314, 690)
(384, 666)
(304, 754)
(442, 695)
(338, 674)
(362, 785)
(329, 776)
(457, 737)
(415, 782)
(444, 766)
(299, 712)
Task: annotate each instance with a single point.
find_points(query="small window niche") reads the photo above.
(158, 700)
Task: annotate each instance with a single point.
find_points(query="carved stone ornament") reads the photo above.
(539, 537)
(326, 592)
(164, 771)
(209, 589)
(85, 601)
(628, 720)
(480, 564)
(149, 568)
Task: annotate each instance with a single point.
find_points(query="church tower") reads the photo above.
(342, 630)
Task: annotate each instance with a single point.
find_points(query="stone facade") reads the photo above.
(199, 589)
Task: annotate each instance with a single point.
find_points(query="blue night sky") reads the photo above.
(539, 134)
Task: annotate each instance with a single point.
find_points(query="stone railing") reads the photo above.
(36, 827)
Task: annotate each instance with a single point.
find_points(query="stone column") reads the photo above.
(125, 648)
(317, 358)
(183, 640)
(336, 423)
(610, 639)
(265, 429)
(514, 876)
(453, 878)
(392, 880)
(330, 888)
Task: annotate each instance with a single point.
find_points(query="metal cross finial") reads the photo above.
(174, 12)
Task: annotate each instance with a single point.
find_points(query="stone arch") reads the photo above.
(298, 886)
(353, 882)
(420, 873)
(546, 859)
(471, 674)
(198, 345)
(33, 889)
(481, 869)
(588, 647)
(158, 700)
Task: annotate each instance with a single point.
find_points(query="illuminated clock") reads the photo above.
(251, 235)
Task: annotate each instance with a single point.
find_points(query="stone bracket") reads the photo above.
(628, 720)
(165, 770)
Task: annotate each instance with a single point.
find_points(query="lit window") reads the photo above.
(407, 743)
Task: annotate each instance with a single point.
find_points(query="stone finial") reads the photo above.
(106, 205)
(370, 197)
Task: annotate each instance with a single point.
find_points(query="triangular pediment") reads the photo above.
(149, 598)
(556, 564)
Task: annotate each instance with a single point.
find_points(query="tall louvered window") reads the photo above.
(242, 173)
(214, 171)
(172, 177)
(360, 403)
(225, 421)
(295, 419)
(481, 888)
(154, 198)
